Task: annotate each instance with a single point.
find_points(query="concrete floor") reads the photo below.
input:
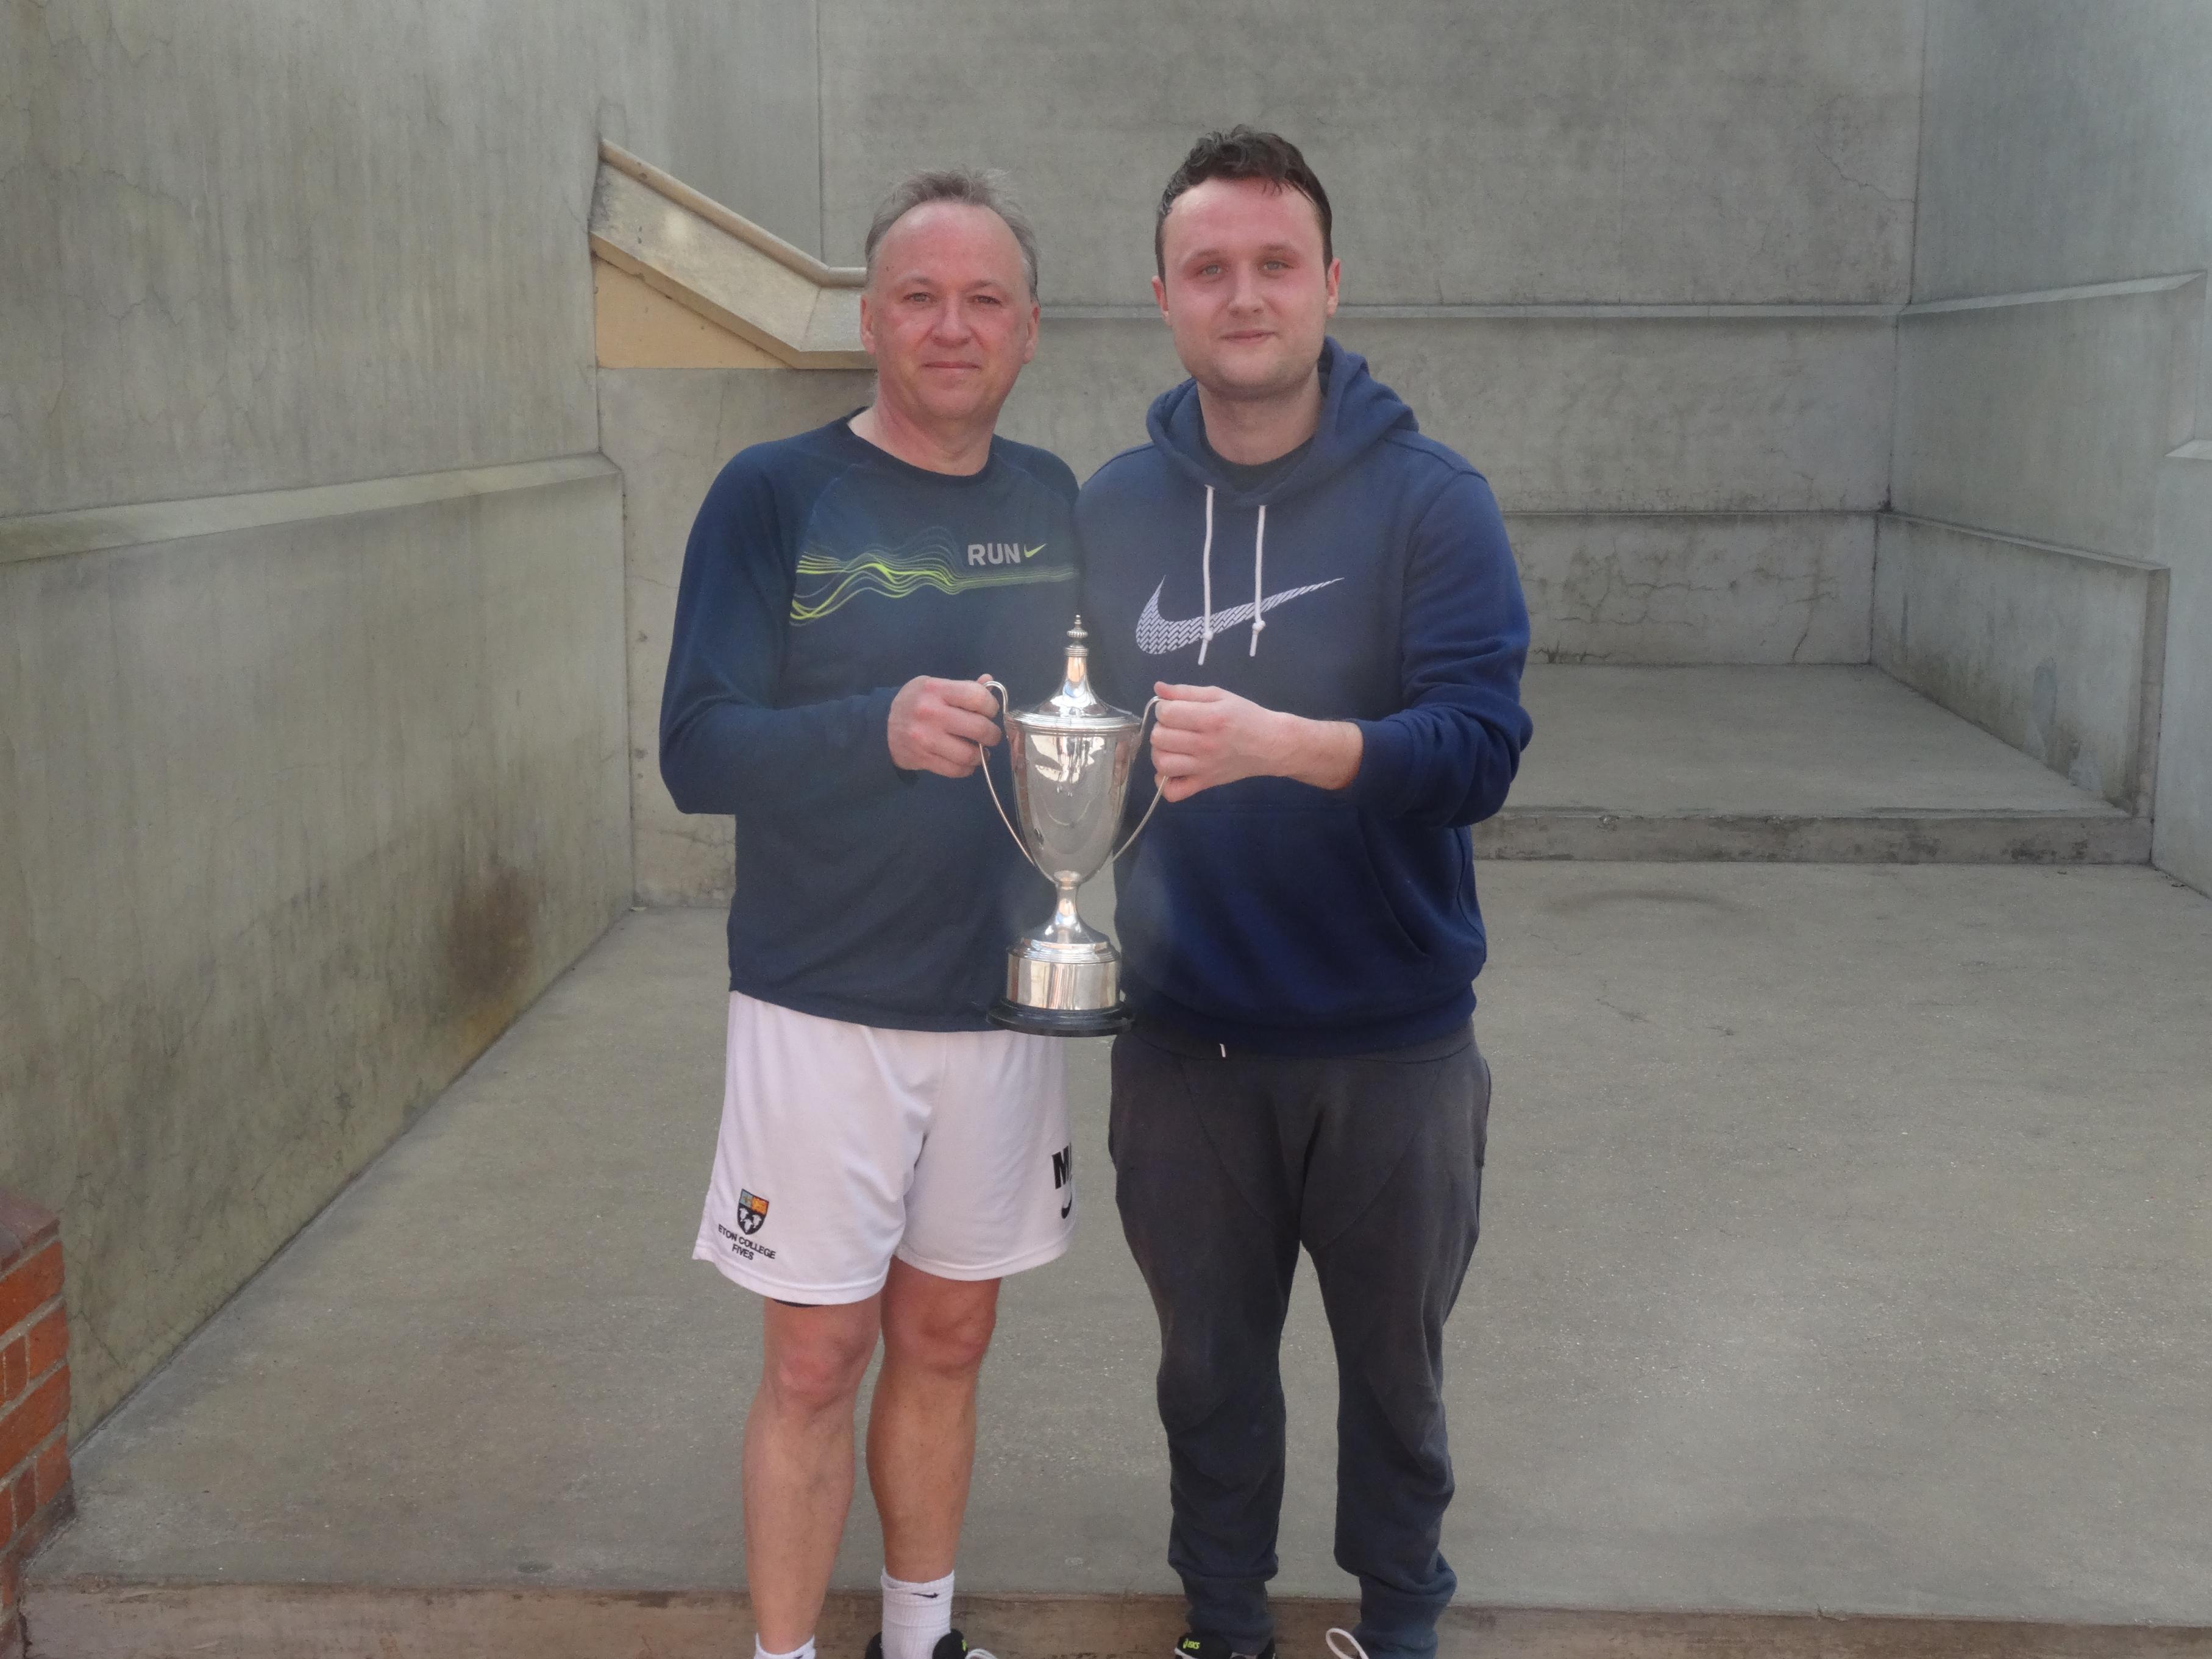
(1847, 1247)
(1786, 740)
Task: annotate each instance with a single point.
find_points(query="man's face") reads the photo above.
(1247, 293)
(949, 317)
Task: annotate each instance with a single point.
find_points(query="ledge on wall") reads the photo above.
(683, 282)
(2060, 651)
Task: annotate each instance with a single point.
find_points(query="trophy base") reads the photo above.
(1062, 981)
(1060, 1022)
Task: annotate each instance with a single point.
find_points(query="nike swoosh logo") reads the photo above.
(1157, 635)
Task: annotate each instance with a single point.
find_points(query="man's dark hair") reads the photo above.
(1244, 152)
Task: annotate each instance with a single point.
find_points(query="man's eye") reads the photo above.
(1209, 270)
(987, 299)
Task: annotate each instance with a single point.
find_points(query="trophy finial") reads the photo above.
(1075, 634)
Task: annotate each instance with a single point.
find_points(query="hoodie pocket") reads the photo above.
(1273, 916)
(1425, 877)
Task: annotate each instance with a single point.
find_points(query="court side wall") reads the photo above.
(312, 723)
(2054, 417)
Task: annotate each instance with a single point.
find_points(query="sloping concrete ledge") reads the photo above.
(1895, 836)
(93, 530)
(2059, 651)
(742, 278)
(94, 1618)
(2045, 415)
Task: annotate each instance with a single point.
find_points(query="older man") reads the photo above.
(885, 1157)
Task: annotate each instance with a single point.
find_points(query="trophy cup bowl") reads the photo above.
(1070, 757)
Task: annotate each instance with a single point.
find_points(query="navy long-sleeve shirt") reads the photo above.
(822, 574)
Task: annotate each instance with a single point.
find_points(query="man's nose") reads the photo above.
(950, 322)
(1244, 290)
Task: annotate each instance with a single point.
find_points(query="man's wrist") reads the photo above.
(1324, 753)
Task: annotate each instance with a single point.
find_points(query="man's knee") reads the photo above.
(815, 1361)
(938, 1325)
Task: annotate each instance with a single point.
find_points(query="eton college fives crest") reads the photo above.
(752, 1216)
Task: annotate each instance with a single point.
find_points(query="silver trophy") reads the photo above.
(1070, 757)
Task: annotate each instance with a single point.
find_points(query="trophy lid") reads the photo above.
(1075, 707)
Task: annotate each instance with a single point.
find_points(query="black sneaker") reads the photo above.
(951, 1645)
(1195, 1645)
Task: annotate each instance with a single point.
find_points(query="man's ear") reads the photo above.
(1036, 322)
(1335, 278)
(1160, 296)
(867, 325)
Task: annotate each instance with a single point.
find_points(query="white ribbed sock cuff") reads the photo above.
(803, 1651)
(916, 1617)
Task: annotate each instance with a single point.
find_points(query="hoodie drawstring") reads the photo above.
(1259, 552)
(1205, 575)
(1205, 571)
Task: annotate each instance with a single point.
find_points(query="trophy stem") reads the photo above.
(1064, 923)
(1063, 979)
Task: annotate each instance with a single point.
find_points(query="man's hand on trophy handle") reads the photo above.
(1207, 737)
(941, 726)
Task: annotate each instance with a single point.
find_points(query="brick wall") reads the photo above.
(34, 1474)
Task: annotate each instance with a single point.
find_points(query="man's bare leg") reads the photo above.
(922, 1425)
(798, 1460)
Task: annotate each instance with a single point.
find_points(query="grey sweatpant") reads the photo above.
(1225, 1165)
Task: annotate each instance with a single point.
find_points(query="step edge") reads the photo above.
(111, 1617)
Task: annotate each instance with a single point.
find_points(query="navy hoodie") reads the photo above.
(1366, 578)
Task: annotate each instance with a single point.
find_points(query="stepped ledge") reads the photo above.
(720, 266)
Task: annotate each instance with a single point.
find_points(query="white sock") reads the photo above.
(803, 1651)
(915, 1616)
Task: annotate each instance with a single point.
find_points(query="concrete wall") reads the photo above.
(2053, 385)
(366, 267)
(2182, 836)
(1517, 151)
(2047, 413)
(312, 764)
(1637, 262)
(296, 817)
(2056, 651)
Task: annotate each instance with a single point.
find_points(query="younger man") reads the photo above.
(1327, 604)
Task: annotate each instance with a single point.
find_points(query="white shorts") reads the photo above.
(843, 1146)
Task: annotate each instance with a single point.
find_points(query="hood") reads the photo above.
(1357, 411)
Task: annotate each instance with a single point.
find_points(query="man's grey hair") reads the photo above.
(982, 187)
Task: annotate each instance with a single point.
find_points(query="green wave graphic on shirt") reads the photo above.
(826, 583)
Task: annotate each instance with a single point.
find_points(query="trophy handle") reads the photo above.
(983, 765)
(1151, 712)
